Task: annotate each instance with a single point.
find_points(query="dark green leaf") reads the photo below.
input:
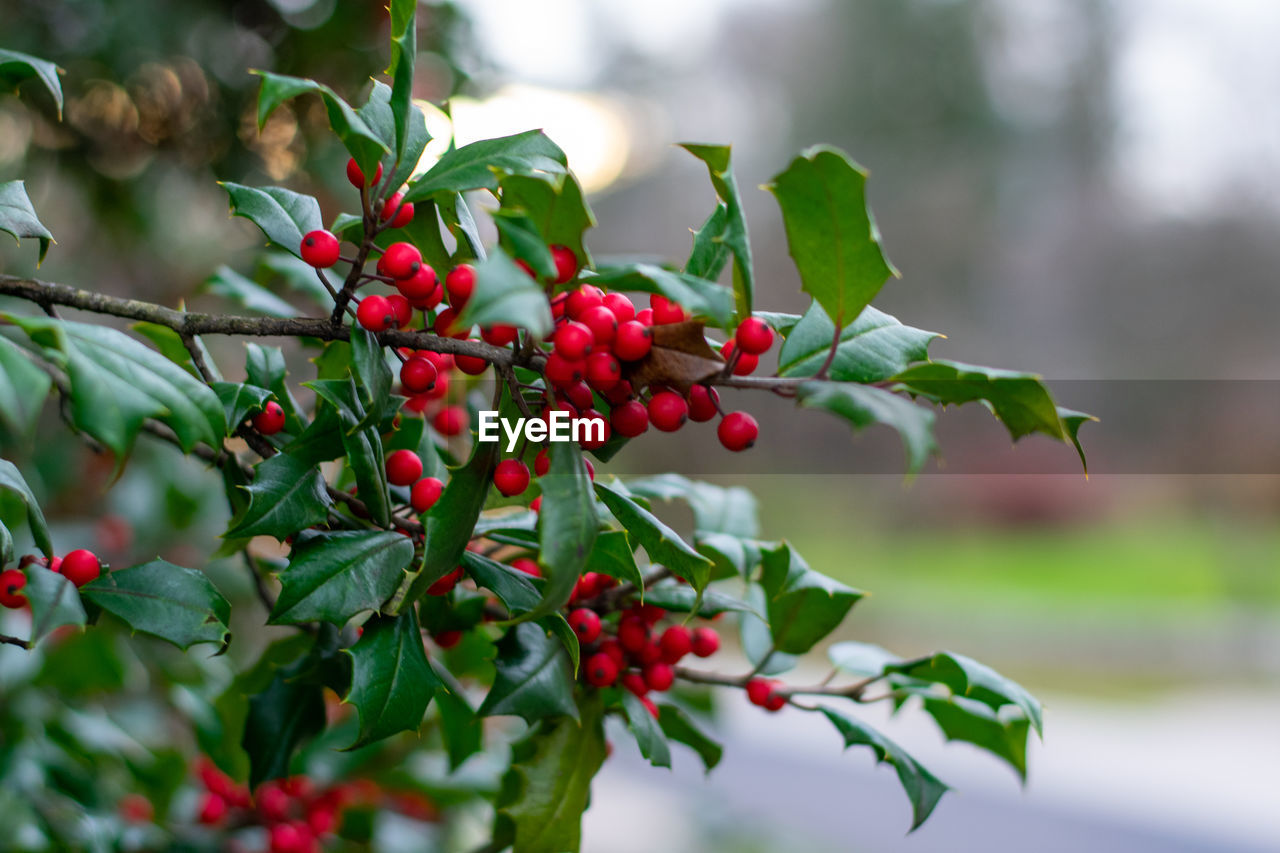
(678, 726)
(391, 680)
(519, 237)
(53, 600)
(287, 495)
(286, 713)
(862, 405)
(922, 787)
(12, 481)
(168, 342)
(333, 576)
(23, 389)
(710, 253)
(872, 348)
(701, 297)
(558, 625)
(477, 166)
(170, 602)
(732, 554)
(239, 400)
(357, 137)
(504, 294)
(556, 206)
(680, 598)
(716, 509)
(804, 606)
(1020, 400)
(16, 67)
(229, 284)
(451, 520)
(734, 233)
(1071, 422)
(660, 542)
(757, 641)
(460, 728)
(369, 363)
(781, 323)
(404, 49)
(831, 233)
(649, 736)
(517, 591)
(567, 524)
(362, 444)
(534, 678)
(612, 555)
(975, 723)
(283, 215)
(18, 217)
(462, 225)
(967, 677)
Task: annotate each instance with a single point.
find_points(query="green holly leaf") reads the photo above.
(16, 67)
(362, 444)
(678, 726)
(548, 785)
(710, 253)
(804, 606)
(555, 205)
(286, 713)
(23, 389)
(648, 734)
(872, 348)
(369, 364)
(976, 723)
(567, 525)
(519, 237)
(757, 638)
(391, 680)
(283, 215)
(54, 602)
(404, 50)
(170, 602)
(922, 787)
(357, 137)
(1071, 422)
(17, 216)
(457, 217)
(734, 233)
(117, 383)
(517, 591)
(534, 677)
(229, 284)
(862, 659)
(862, 406)
(238, 400)
(333, 576)
(679, 598)
(504, 294)
(287, 495)
(731, 554)
(831, 233)
(460, 729)
(612, 555)
(12, 481)
(967, 677)
(700, 297)
(477, 166)
(660, 542)
(716, 509)
(451, 520)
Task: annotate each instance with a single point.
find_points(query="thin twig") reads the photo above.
(14, 641)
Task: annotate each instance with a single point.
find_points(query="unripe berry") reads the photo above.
(375, 313)
(511, 477)
(425, 493)
(451, 420)
(320, 249)
(705, 642)
(602, 323)
(635, 682)
(528, 566)
(676, 642)
(586, 624)
(753, 336)
(667, 411)
(393, 207)
(419, 287)
(80, 567)
(632, 634)
(738, 431)
(460, 284)
(356, 176)
(270, 420)
(404, 467)
(499, 336)
(601, 670)
(213, 809)
(566, 263)
(417, 375)
(562, 372)
(573, 340)
(632, 341)
(659, 676)
(603, 371)
(401, 308)
(11, 583)
(666, 311)
(746, 363)
(586, 296)
(704, 403)
(624, 310)
(629, 419)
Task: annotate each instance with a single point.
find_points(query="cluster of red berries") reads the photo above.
(79, 567)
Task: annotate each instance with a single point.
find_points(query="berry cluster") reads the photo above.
(79, 567)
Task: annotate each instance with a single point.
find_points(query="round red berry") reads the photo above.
(511, 477)
(447, 639)
(499, 336)
(614, 652)
(704, 403)
(738, 431)
(635, 682)
(645, 317)
(270, 420)
(595, 432)
(666, 311)
(629, 419)
(705, 642)
(632, 634)
(356, 176)
(472, 365)
(632, 341)
(528, 566)
(420, 287)
(659, 676)
(319, 249)
(603, 371)
(667, 411)
(601, 670)
(758, 690)
(425, 493)
(446, 584)
(579, 395)
(401, 308)
(573, 340)
(375, 313)
(11, 583)
(562, 372)
(746, 362)
(601, 322)
(80, 567)
(418, 375)
(399, 214)
(566, 263)
(400, 260)
(404, 467)
(213, 809)
(460, 283)
(541, 463)
(586, 296)
(451, 420)
(624, 310)
(445, 327)
(775, 701)
(676, 642)
(753, 336)
(586, 624)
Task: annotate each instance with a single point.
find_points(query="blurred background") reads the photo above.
(1081, 188)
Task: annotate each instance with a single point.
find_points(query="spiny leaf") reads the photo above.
(287, 495)
(23, 389)
(12, 481)
(505, 295)
(734, 233)
(534, 678)
(804, 606)
(660, 542)
(334, 576)
(283, 215)
(359, 139)
(478, 165)
(863, 405)
(16, 67)
(171, 602)
(18, 217)
(872, 348)
(391, 680)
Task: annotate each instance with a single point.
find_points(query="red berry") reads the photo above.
(499, 336)
(566, 263)
(393, 207)
(420, 287)
(451, 420)
(632, 341)
(758, 690)
(447, 639)
(603, 371)
(601, 322)
(320, 249)
(667, 411)
(11, 583)
(666, 311)
(528, 566)
(703, 403)
(746, 363)
(775, 701)
(401, 308)
(270, 420)
(445, 327)
(614, 652)
(624, 310)
(649, 653)
(460, 283)
(321, 820)
(472, 365)
(629, 419)
(632, 634)
(541, 463)
(580, 395)
(418, 375)
(286, 838)
(676, 642)
(705, 641)
(445, 584)
(753, 336)
(511, 477)
(586, 296)
(562, 372)
(404, 467)
(356, 176)
(645, 317)
(601, 670)
(619, 394)
(649, 706)
(400, 260)
(425, 493)
(659, 676)
(635, 682)
(738, 431)
(536, 504)
(594, 435)
(213, 809)
(651, 613)
(588, 585)
(375, 313)
(135, 808)
(586, 624)
(573, 340)
(80, 567)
